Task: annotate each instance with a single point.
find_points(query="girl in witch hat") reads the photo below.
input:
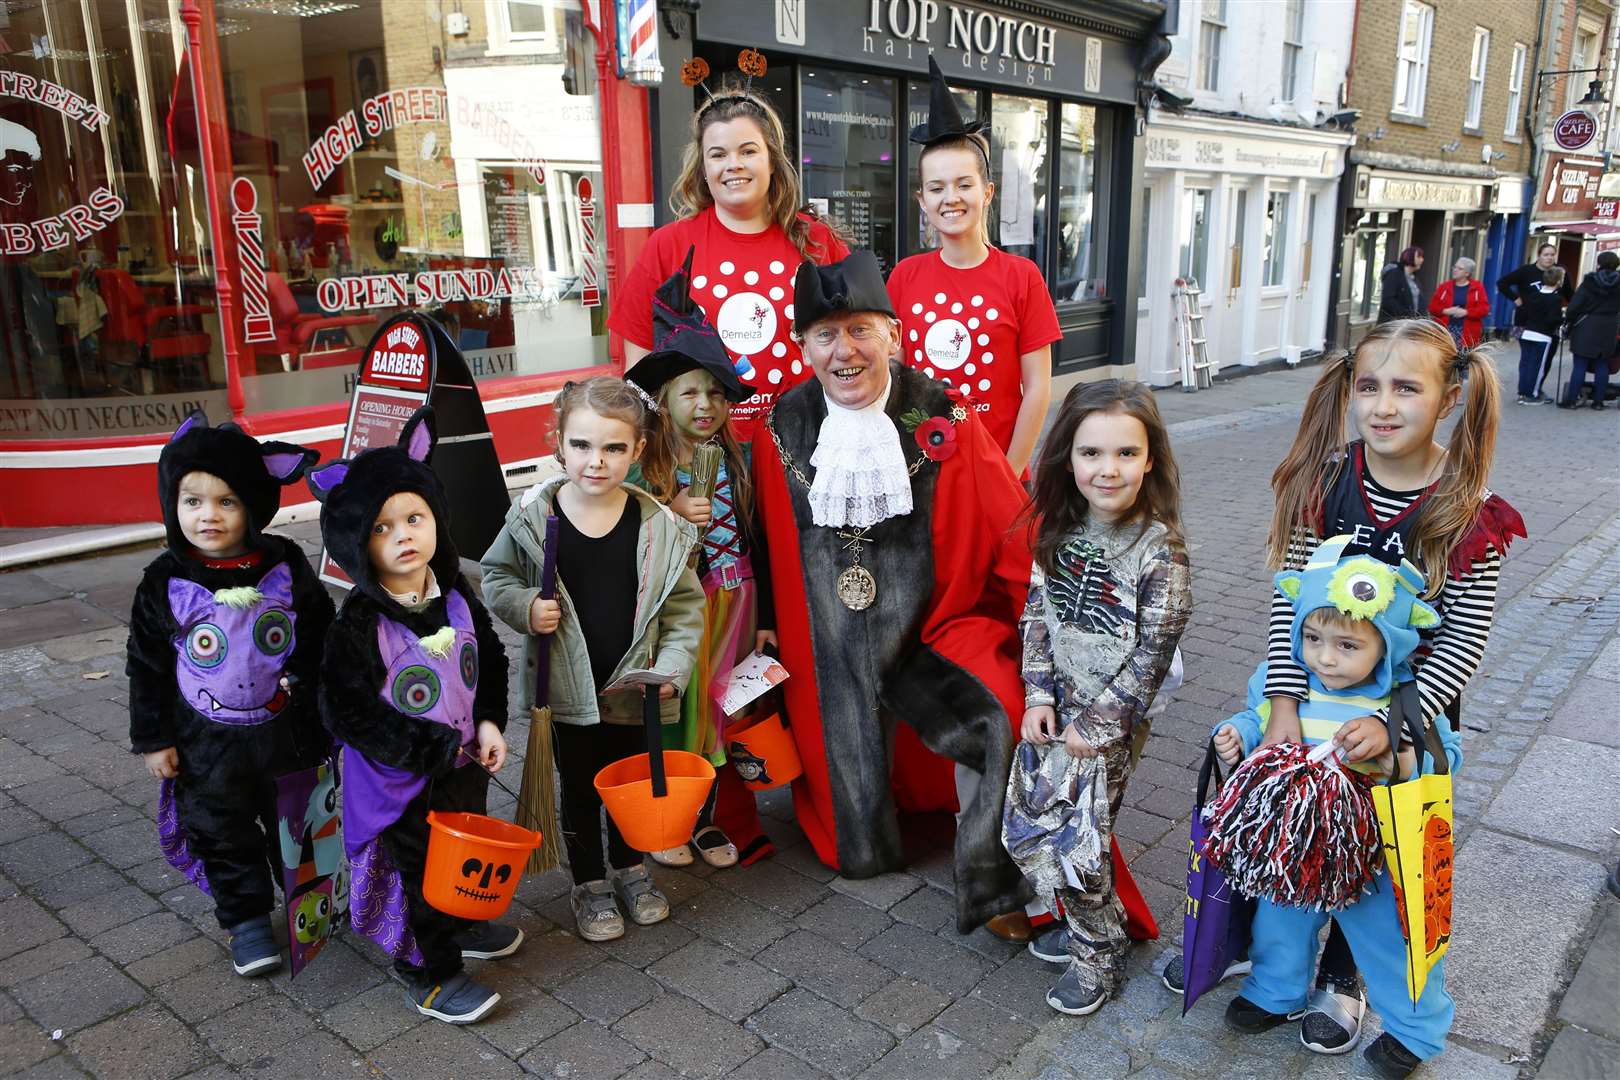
(972, 315)
(626, 601)
(738, 203)
(414, 688)
(694, 386)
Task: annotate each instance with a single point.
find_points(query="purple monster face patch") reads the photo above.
(433, 678)
(233, 646)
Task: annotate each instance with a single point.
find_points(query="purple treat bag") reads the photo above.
(1215, 929)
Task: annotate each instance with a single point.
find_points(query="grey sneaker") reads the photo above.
(489, 941)
(458, 1000)
(1332, 1023)
(596, 913)
(1172, 974)
(642, 898)
(1052, 945)
(1075, 995)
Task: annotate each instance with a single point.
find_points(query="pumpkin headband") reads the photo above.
(751, 62)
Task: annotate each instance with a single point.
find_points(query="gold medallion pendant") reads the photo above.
(857, 588)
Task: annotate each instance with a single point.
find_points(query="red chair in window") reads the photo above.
(160, 337)
(307, 340)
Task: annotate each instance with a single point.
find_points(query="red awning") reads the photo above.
(1586, 230)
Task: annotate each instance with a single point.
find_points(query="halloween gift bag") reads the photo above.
(1215, 929)
(1414, 824)
(314, 871)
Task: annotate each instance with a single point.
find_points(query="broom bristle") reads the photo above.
(537, 798)
(1295, 832)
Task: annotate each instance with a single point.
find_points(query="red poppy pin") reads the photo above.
(937, 438)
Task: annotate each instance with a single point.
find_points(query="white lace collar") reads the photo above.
(861, 477)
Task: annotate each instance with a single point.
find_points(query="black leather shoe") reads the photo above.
(1390, 1059)
(1245, 1016)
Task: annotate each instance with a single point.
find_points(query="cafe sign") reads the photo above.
(1569, 188)
(1575, 130)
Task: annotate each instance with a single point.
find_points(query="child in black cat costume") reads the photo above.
(224, 650)
(414, 688)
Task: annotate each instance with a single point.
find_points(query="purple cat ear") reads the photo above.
(420, 443)
(188, 601)
(197, 419)
(327, 477)
(283, 466)
(277, 585)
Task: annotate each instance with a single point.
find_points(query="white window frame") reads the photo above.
(1478, 62)
(504, 41)
(1197, 274)
(1412, 70)
(1579, 61)
(1274, 238)
(1211, 43)
(1515, 95)
(1293, 47)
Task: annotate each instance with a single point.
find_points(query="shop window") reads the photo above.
(371, 172)
(1412, 58)
(1476, 77)
(1515, 96)
(1293, 46)
(967, 101)
(526, 26)
(1211, 32)
(1583, 63)
(1240, 217)
(1018, 162)
(1145, 244)
(1194, 262)
(1077, 276)
(847, 146)
(1274, 239)
(1370, 253)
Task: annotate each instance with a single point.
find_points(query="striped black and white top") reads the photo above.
(1447, 657)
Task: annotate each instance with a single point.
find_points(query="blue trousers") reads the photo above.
(1533, 359)
(1284, 954)
(1600, 375)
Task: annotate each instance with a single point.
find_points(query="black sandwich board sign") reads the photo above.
(410, 362)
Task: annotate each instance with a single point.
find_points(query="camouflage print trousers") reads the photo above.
(1096, 919)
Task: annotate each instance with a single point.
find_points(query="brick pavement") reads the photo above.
(785, 970)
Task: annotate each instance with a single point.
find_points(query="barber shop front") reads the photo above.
(849, 77)
(214, 203)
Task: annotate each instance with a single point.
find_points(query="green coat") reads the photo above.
(669, 608)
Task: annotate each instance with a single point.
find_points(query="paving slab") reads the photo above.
(606, 991)
(526, 1017)
(256, 1028)
(78, 995)
(903, 1006)
(845, 920)
(828, 970)
(51, 619)
(822, 1034)
(933, 1053)
(436, 1049)
(774, 1064)
(683, 1034)
(1586, 778)
(585, 1050)
(1593, 998)
(374, 1017)
(1580, 1055)
(720, 979)
(1587, 714)
(27, 925)
(148, 1044)
(927, 957)
(1507, 889)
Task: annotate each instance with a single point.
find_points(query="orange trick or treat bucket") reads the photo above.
(474, 863)
(763, 753)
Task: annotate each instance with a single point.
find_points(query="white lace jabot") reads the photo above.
(860, 464)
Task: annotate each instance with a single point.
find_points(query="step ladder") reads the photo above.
(1197, 369)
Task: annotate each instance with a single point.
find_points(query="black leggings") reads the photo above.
(464, 789)
(581, 753)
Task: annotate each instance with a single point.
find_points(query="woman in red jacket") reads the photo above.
(1462, 304)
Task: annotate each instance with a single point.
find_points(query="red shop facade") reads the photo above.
(214, 204)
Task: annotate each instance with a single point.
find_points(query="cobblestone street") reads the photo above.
(111, 964)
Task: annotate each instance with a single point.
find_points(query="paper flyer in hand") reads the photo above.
(636, 678)
(749, 680)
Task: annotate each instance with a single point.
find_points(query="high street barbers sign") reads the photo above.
(977, 42)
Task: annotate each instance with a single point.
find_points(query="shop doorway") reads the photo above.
(1429, 233)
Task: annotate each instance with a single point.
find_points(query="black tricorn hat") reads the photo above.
(944, 118)
(684, 340)
(855, 283)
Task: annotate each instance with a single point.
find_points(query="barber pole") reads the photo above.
(256, 322)
(638, 42)
(590, 295)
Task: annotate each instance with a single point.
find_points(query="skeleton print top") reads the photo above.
(1100, 633)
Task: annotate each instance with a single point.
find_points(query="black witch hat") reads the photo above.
(944, 118)
(683, 340)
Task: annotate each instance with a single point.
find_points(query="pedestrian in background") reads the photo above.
(1539, 316)
(1461, 304)
(1399, 296)
(1515, 283)
(1594, 317)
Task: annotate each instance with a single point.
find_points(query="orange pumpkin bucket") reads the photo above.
(763, 753)
(474, 863)
(654, 798)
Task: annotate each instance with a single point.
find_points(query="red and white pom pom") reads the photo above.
(1296, 829)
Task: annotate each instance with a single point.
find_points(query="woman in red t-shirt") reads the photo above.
(737, 199)
(972, 315)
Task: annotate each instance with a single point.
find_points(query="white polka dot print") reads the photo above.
(969, 369)
(776, 293)
(720, 290)
(699, 282)
(751, 277)
(984, 384)
(978, 301)
(913, 335)
(775, 376)
(939, 298)
(917, 355)
(984, 339)
(788, 311)
(728, 267)
(930, 317)
(988, 357)
(798, 366)
(956, 308)
(779, 349)
(965, 388)
(992, 314)
(973, 323)
(776, 266)
(928, 371)
(916, 309)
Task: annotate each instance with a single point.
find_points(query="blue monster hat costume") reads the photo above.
(1362, 588)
